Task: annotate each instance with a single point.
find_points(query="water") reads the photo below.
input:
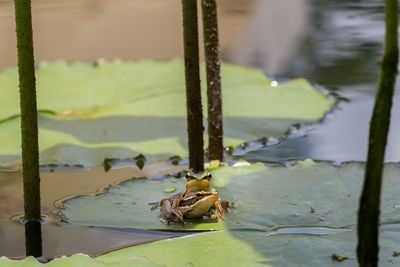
(334, 44)
(339, 50)
(57, 237)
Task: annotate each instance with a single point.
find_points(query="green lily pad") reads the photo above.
(78, 260)
(121, 109)
(250, 248)
(238, 248)
(307, 194)
(264, 197)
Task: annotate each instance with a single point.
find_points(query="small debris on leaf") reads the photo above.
(244, 145)
(396, 253)
(229, 150)
(312, 210)
(107, 164)
(170, 189)
(175, 160)
(322, 218)
(338, 257)
(140, 160)
(212, 165)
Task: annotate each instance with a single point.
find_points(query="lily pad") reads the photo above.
(251, 248)
(122, 109)
(263, 197)
(237, 248)
(78, 260)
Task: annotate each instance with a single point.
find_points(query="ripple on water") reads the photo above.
(304, 230)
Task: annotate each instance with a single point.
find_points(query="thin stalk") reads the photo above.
(213, 68)
(368, 216)
(29, 127)
(193, 91)
(33, 238)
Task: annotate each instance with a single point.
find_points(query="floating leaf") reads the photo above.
(236, 248)
(264, 197)
(119, 110)
(78, 260)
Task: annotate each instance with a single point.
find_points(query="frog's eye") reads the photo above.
(207, 177)
(190, 177)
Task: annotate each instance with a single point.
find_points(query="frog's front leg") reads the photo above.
(221, 205)
(176, 211)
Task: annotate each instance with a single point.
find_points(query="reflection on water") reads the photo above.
(340, 51)
(271, 37)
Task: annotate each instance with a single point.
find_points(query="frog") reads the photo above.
(196, 201)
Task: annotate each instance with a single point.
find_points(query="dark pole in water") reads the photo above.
(193, 91)
(29, 127)
(213, 67)
(368, 216)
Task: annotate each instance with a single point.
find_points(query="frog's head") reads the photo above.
(196, 185)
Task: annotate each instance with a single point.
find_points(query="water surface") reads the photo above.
(334, 44)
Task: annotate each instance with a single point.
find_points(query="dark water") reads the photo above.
(339, 51)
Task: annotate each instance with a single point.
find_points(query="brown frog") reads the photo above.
(195, 202)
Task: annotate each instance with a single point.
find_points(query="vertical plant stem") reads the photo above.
(193, 91)
(33, 238)
(29, 127)
(213, 67)
(368, 216)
